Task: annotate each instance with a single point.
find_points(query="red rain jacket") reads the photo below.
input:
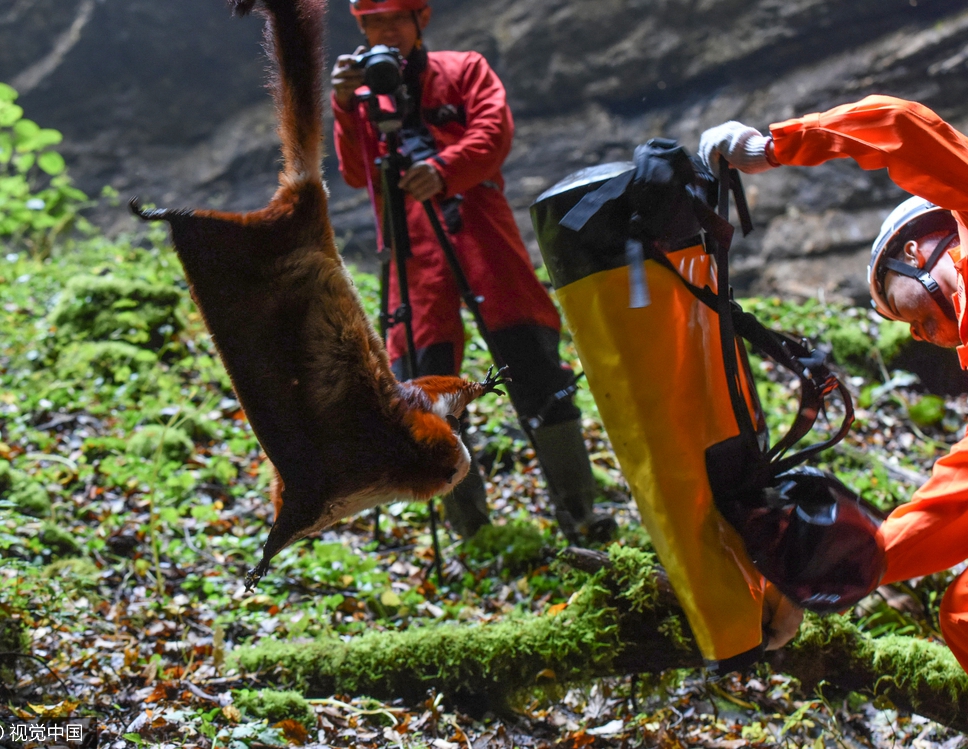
(489, 247)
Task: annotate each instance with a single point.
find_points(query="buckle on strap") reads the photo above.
(927, 281)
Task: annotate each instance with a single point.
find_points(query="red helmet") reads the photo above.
(368, 7)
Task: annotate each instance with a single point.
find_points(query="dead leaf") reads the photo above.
(150, 673)
(159, 693)
(60, 710)
(577, 740)
(294, 731)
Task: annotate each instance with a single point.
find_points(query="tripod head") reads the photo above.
(388, 122)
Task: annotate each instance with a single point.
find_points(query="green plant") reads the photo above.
(517, 543)
(275, 706)
(37, 201)
(112, 308)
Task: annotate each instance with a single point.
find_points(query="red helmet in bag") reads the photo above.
(368, 7)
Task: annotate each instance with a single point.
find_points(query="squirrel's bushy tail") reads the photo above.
(294, 40)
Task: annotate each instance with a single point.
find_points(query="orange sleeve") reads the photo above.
(930, 533)
(922, 153)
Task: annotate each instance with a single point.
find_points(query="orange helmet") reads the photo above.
(368, 7)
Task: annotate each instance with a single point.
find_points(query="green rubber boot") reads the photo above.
(571, 484)
(466, 506)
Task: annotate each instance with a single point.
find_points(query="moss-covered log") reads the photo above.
(624, 619)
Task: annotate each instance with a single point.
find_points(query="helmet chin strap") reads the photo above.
(416, 22)
(924, 275)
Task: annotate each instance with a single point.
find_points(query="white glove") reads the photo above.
(744, 148)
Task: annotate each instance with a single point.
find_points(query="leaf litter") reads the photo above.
(133, 499)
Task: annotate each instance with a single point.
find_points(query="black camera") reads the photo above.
(382, 69)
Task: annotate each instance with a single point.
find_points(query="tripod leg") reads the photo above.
(438, 565)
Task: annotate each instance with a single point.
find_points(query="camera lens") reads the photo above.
(382, 73)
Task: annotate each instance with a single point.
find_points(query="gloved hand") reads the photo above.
(781, 618)
(744, 148)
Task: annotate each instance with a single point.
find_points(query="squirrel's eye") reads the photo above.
(454, 423)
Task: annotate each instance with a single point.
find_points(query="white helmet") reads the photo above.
(913, 218)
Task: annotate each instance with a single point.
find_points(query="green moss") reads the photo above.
(927, 411)
(489, 662)
(30, 498)
(918, 666)
(275, 706)
(102, 308)
(518, 543)
(487, 665)
(673, 629)
(629, 565)
(27, 496)
(892, 336)
(906, 668)
(115, 361)
(60, 542)
(144, 443)
(635, 535)
(97, 448)
(79, 570)
(851, 346)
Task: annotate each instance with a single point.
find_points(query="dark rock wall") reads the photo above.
(166, 100)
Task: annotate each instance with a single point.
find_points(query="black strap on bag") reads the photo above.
(804, 530)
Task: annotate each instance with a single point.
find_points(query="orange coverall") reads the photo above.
(927, 157)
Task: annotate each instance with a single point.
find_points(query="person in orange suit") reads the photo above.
(917, 275)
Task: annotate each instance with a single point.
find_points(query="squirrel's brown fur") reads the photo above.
(307, 365)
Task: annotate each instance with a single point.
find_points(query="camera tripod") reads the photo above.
(397, 231)
(397, 250)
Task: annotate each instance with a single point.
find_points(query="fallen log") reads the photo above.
(624, 619)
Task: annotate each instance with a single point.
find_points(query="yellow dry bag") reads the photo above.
(631, 249)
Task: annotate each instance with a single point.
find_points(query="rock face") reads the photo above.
(166, 100)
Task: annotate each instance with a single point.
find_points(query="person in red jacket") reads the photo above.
(462, 104)
(917, 274)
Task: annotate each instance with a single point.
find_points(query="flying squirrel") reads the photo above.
(310, 371)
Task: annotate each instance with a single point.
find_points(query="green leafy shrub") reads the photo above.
(108, 308)
(37, 201)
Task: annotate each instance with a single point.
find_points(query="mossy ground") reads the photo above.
(122, 563)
